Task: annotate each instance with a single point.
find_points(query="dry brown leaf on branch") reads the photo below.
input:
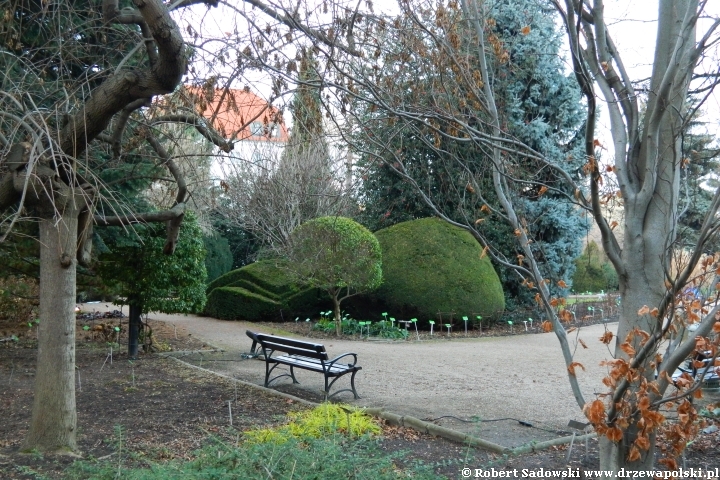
(582, 343)
(628, 349)
(595, 412)
(607, 338)
(634, 454)
(644, 310)
(573, 365)
(642, 442)
(614, 434)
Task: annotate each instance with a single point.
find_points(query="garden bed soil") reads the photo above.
(155, 409)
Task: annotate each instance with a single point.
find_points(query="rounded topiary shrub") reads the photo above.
(430, 266)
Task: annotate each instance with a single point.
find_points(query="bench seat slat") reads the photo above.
(302, 352)
(290, 342)
(314, 365)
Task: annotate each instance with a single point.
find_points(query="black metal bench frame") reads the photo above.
(304, 355)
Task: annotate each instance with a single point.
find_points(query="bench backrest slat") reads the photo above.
(291, 346)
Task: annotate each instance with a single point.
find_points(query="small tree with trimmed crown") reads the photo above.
(338, 255)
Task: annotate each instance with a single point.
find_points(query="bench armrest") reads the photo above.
(335, 360)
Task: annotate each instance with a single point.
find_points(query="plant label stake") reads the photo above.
(448, 325)
(392, 322)
(465, 319)
(525, 322)
(414, 321)
(511, 326)
(230, 411)
(432, 324)
(531, 322)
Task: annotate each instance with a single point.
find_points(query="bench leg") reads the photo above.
(352, 385)
(268, 371)
(351, 389)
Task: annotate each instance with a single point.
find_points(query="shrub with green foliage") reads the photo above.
(323, 420)
(335, 254)
(135, 267)
(593, 272)
(235, 303)
(260, 291)
(333, 457)
(330, 442)
(431, 266)
(219, 258)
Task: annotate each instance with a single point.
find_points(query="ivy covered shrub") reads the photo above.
(261, 291)
(430, 266)
(593, 271)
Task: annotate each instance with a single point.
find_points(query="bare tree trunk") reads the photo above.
(336, 312)
(134, 327)
(54, 419)
(613, 455)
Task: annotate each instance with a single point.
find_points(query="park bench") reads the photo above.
(304, 355)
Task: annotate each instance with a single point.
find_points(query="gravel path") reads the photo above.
(518, 377)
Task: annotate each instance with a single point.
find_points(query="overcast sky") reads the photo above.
(632, 25)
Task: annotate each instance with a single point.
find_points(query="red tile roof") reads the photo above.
(238, 114)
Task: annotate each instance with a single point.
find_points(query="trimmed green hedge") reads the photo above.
(248, 285)
(235, 303)
(593, 272)
(261, 291)
(430, 266)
